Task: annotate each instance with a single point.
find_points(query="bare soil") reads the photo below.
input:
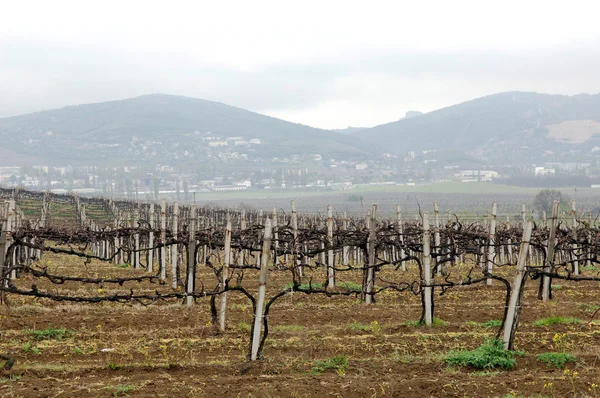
(169, 350)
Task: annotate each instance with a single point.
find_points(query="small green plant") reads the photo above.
(49, 333)
(339, 363)
(359, 326)
(121, 390)
(288, 328)
(434, 322)
(9, 379)
(589, 307)
(304, 286)
(244, 327)
(492, 323)
(77, 350)
(353, 287)
(26, 347)
(556, 359)
(113, 366)
(374, 326)
(557, 320)
(491, 354)
(124, 265)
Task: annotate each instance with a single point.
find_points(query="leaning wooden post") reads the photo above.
(549, 265)
(175, 248)
(516, 296)
(163, 239)
(330, 265)
(491, 244)
(225, 274)
(191, 258)
(574, 234)
(428, 290)
(262, 289)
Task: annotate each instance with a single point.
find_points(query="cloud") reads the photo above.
(327, 64)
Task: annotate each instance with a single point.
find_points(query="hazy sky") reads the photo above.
(324, 63)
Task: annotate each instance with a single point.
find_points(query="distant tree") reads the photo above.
(544, 199)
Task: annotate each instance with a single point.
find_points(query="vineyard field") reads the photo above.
(171, 350)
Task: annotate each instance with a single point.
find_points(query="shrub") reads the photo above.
(556, 359)
(490, 354)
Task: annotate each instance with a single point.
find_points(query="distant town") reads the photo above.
(238, 163)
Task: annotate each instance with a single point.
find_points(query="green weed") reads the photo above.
(556, 359)
(339, 363)
(490, 354)
(49, 333)
(557, 320)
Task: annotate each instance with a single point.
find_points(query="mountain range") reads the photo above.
(506, 126)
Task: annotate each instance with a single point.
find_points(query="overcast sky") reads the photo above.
(328, 64)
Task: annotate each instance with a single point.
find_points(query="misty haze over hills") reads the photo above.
(163, 128)
(157, 124)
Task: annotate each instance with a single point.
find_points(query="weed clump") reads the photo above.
(556, 359)
(490, 354)
(557, 320)
(339, 363)
(49, 333)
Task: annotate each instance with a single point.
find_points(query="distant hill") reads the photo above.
(109, 132)
(349, 130)
(505, 126)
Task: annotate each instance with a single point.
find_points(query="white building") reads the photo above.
(216, 144)
(477, 175)
(543, 171)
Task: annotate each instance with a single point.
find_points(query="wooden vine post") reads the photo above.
(3, 245)
(191, 258)
(150, 266)
(575, 246)
(296, 244)
(370, 273)
(275, 235)
(436, 237)
(330, 265)
(175, 248)
(516, 296)
(549, 265)
(428, 290)
(345, 248)
(163, 240)
(225, 275)
(492, 244)
(262, 289)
